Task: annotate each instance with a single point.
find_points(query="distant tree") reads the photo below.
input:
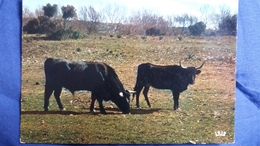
(185, 20)
(197, 29)
(206, 11)
(67, 13)
(216, 18)
(115, 14)
(83, 13)
(92, 17)
(27, 13)
(50, 10)
(145, 21)
(39, 11)
(228, 25)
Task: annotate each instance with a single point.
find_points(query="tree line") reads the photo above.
(67, 22)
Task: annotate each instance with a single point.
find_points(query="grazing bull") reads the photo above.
(173, 77)
(99, 78)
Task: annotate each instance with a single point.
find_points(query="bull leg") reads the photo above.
(102, 110)
(93, 99)
(47, 94)
(138, 90)
(176, 96)
(145, 92)
(57, 93)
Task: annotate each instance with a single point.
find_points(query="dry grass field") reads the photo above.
(206, 107)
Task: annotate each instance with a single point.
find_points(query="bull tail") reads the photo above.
(48, 69)
(138, 87)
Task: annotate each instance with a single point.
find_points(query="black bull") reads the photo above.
(99, 78)
(174, 77)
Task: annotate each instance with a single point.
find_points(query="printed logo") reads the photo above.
(220, 133)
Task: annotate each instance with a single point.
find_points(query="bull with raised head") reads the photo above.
(99, 78)
(172, 77)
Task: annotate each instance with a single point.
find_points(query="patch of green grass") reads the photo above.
(206, 107)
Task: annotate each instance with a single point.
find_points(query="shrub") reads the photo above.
(76, 35)
(42, 25)
(63, 34)
(180, 38)
(197, 29)
(32, 26)
(190, 56)
(143, 37)
(119, 36)
(153, 32)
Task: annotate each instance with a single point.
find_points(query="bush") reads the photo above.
(32, 26)
(143, 37)
(119, 35)
(42, 25)
(180, 38)
(63, 34)
(153, 32)
(197, 29)
(76, 35)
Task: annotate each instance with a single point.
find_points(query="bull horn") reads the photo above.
(201, 65)
(180, 63)
(121, 94)
(131, 91)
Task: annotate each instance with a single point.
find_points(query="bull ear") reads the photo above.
(121, 94)
(198, 72)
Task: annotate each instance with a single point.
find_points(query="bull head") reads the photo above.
(120, 102)
(193, 72)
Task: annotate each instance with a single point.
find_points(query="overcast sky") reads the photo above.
(160, 7)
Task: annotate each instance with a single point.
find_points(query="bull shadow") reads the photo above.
(110, 111)
(144, 111)
(97, 112)
(52, 113)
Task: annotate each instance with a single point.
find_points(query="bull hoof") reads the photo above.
(92, 111)
(177, 109)
(103, 112)
(46, 109)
